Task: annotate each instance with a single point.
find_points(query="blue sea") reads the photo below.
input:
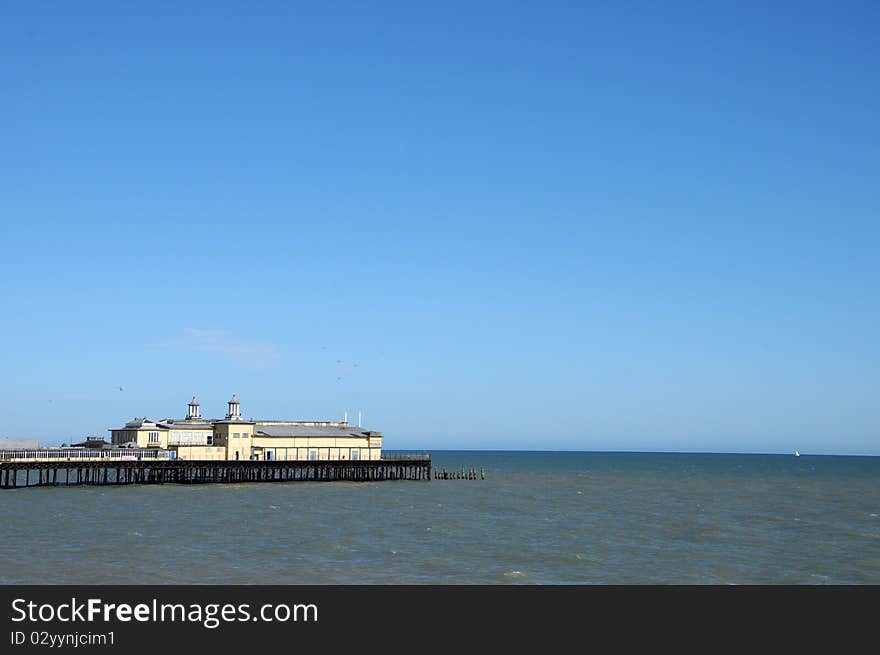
(537, 518)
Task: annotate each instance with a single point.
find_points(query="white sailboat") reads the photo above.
(797, 454)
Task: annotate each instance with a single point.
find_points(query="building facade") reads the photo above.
(236, 438)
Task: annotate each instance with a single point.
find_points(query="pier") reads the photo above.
(21, 474)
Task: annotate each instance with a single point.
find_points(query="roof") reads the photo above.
(91, 443)
(142, 424)
(312, 431)
(194, 401)
(266, 428)
(139, 423)
(187, 424)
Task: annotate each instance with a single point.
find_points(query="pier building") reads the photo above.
(236, 438)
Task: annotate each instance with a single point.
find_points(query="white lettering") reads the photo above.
(22, 613)
(77, 609)
(94, 608)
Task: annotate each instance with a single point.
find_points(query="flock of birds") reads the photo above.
(339, 363)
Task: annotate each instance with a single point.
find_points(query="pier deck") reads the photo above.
(18, 474)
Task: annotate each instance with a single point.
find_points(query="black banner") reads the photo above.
(244, 618)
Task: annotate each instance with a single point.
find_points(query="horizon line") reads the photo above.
(638, 452)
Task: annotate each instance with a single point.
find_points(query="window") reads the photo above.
(236, 454)
(244, 435)
(313, 453)
(210, 439)
(355, 453)
(235, 435)
(154, 437)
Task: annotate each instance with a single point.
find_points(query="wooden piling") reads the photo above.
(99, 473)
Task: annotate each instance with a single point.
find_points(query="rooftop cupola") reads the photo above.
(234, 409)
(193, 409)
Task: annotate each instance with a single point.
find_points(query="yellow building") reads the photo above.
(235, 438)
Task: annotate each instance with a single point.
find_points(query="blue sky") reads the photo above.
(611, 226)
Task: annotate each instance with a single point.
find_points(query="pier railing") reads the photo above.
(84, 454)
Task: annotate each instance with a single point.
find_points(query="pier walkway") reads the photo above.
(18, 474)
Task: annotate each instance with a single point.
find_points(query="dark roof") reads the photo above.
(187, 424)
(138, 424)
(313, 431)
(91, 443)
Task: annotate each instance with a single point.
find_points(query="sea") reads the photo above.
(537, 518)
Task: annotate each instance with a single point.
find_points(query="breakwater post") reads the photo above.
(461, 474)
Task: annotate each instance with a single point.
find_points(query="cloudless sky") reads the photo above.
(538, 225)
